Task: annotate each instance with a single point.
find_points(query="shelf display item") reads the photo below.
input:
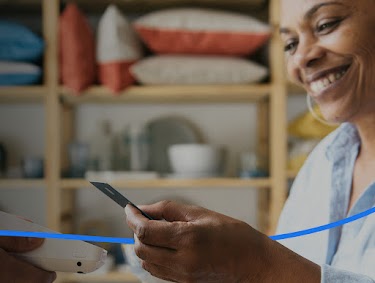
(101, 147)
(195, 160)
(197, 70)
(18, 43)
(77, 50)
(201, 31)
(32, 167)
(19, 73)
(167, 131)
(118, 47)
(137, 143)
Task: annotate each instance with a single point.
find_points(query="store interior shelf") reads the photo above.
(173, 94)
(22, 94)
(21, 183)
(175, 183)
(133, 6)
(108, 278)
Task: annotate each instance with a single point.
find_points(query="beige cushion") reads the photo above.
(190, 70)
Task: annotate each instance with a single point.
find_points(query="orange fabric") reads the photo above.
(201, 42)
(77, 50)
(116, 75)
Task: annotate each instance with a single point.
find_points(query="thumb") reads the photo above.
(19, 244)
(171, 211)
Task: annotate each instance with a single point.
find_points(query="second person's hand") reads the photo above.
(15, 270)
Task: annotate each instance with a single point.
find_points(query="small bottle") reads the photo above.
(138, 145)
(101, 147)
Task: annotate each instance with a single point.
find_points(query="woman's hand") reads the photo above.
(198, 245)
(15, 270)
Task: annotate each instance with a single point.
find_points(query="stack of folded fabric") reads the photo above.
(199, 46)
(20, 54)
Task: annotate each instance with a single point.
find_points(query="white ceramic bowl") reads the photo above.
(195, 159)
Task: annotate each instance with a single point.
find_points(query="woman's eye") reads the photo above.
(290, 46)
(325, 27)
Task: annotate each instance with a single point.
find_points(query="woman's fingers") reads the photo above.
(156, 255)
(154, 232)
(170, 211)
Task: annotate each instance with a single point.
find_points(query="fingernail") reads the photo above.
(127, 210)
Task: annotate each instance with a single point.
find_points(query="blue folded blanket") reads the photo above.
(18, 43)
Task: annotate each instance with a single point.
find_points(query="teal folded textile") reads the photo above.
(18, 43)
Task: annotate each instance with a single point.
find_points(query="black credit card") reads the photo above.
(117, 197)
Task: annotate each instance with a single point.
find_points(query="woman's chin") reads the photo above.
(333, 116)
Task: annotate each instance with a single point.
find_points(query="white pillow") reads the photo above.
(195, 70)
(118, 47)
(116, 39)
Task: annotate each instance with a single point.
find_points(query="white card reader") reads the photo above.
(56, 254)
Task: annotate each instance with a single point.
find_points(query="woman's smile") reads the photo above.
(327, 81)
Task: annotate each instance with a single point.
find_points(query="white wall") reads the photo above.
(232, 125)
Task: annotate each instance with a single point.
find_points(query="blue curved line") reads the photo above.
(95, 239)
(98, 239)
(324, 227)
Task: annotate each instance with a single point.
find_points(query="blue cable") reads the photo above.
(98, 239)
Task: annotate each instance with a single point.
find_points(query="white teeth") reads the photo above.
(332, 78)
(319, 85)
(314, 87)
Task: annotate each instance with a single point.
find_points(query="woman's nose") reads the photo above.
(307, 54)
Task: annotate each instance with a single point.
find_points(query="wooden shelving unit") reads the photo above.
(261, 183)
(108, 278)
(59, 105)
(174, 94)
(22, 94)
(22, 183)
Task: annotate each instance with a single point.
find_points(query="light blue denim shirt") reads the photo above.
(320, 195)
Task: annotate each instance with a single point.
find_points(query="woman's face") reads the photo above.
(330, 51)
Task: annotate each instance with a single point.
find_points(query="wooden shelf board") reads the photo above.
(109, 277)
(22, 94)
(172, 94)
(21, 183)
(175, 183)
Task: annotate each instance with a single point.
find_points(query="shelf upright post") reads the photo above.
(263, 146)
(50, 11)
(67, 196)
(278, 120)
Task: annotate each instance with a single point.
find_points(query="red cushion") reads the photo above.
(77, 50)
(201, 42)
(201, 31)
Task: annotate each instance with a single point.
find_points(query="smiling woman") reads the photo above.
(330, 51)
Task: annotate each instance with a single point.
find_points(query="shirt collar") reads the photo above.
(346, 139)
